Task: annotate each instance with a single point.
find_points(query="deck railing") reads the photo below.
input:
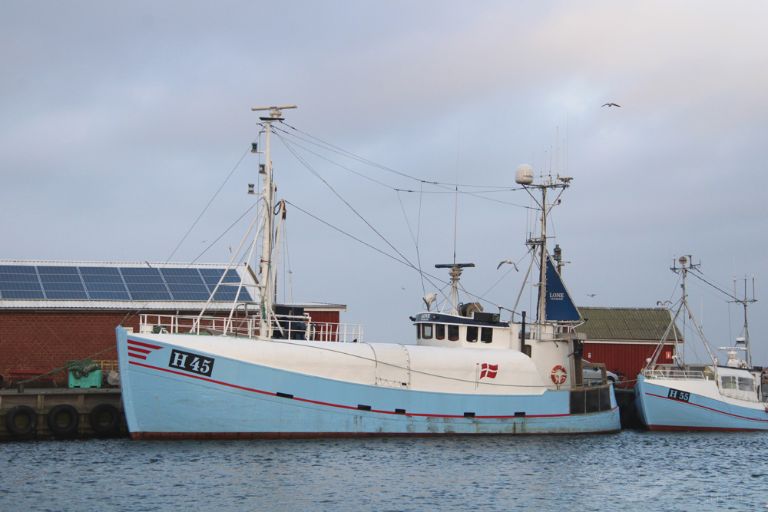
(670, 373)
(288, 327)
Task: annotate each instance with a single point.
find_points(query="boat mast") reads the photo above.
(524, 177)
(455, 273)
(541, 309)
(745, 302)
(686, 265)
(266, 278)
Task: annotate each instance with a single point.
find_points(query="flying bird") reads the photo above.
(591, 295)
(507, 261)
(611, 105)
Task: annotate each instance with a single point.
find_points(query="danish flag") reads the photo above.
(488, 370)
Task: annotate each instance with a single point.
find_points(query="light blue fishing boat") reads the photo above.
(711, 396)
(271, 372)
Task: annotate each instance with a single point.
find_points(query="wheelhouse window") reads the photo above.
(728, 382)
(418, 331)
(453, 332)
(746, 384)
(426, 331)
(439, 331)
(471, 334)
(486, 335)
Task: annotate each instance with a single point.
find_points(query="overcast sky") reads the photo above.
(120, 119)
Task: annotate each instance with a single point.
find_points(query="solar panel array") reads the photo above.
(118, 283)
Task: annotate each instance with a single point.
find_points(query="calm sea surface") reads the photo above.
(621, 472)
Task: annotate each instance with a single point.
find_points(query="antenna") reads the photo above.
(275, 112)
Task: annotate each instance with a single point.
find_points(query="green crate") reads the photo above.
(92, 380)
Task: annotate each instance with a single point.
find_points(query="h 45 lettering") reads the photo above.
(190, 362)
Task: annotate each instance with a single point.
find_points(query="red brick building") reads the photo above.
(623, 338)
(54, 312)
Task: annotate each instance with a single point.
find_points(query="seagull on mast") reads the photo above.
(611, 105)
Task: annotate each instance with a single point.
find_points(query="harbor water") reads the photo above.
(621, 472)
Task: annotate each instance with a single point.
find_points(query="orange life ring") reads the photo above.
(558, 375)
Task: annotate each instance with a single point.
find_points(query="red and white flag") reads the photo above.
(488, 370)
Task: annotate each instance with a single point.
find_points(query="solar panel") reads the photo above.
(60, 278)
(58, 287)
(149, 296)
(105, 287)
(106, 271)
(42, 269)
(17, 269)
(66, 295)
(118, 283)
(212, 275)
(200, 297)
(24, 278)
(19, 282)
(143, 279)
(20, 286)
(230, 293)
(175, 274)
(109, 295)
(21, 294)
(139, 271)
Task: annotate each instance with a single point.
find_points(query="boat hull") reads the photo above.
(659, 409)
(239, 399)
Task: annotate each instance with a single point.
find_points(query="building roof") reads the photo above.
(626, 324)
(103, 285)
(109, 286)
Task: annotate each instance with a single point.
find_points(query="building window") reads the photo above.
(439, 331)
(453, 332)
(472, 334)
(426, 331)
(486, 335)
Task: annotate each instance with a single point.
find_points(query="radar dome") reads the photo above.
(524, 175)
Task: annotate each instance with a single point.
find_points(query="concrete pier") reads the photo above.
(61, 413)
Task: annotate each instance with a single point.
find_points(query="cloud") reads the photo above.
(120, 120)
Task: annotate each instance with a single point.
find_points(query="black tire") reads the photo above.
(21, 421)
(104, 420)
(63, 420)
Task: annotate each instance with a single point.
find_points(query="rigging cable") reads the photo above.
(477, 193)
(698, 275)
(205, 209)
(414, 238)
(360, 159)
(224, 232)
(338, 195)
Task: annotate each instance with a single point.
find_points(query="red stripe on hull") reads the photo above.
(140, 350)
(137, 356)
(339, 406)
(710, 409)
(142, 344)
